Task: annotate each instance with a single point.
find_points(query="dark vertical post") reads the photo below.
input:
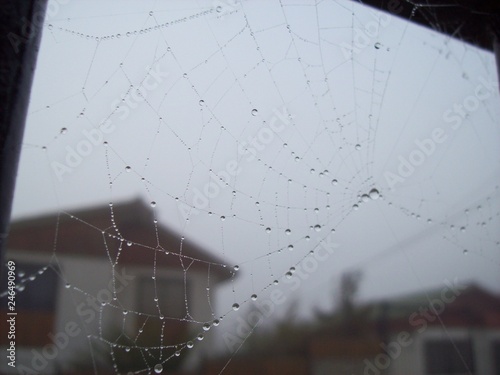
(496, 50)
(21, 22)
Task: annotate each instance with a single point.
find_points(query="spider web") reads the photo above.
(272, 134)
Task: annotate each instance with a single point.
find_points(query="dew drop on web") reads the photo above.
(374, 194)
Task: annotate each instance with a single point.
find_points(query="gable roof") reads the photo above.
(133, 239)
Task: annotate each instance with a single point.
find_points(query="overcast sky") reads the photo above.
(297, 108)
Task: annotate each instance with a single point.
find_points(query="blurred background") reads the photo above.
(248, 186)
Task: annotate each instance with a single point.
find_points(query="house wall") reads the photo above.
(412, 361)
(79, 314)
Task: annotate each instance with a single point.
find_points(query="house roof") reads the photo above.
(473, 306)
(133, 239)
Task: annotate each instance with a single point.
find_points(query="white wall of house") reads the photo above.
(79, 315)
(412, 359)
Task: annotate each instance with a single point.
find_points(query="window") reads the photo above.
(35, 303)
(39, 296)
(450, 358)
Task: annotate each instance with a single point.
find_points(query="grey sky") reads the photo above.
(395, 96)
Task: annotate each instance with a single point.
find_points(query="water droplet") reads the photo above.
(377, 45)
(288, 275)
(365, 198)
(268, 230)
(297, 158)
(218, 9)
(206, 326)
(462, 229)
(222, 218)
(254, 112)
(312, 170)
(465, 251)
(202, 102)
(67, 286)
(275, 282)
(317, 228)
(355, 206)
(288, 232)
(64, 130)
(125, 312)
(128, 169)
(253, 297)
(127, 349)
(358, 147)
(236, 268)
(292, 269)
(151, 13)
(200, 337)
(177, 353)
(153, 204)
(236, 306)
(158, 368)
(334, 182)
(189, 344)
(216, 322)
(50, 26)
(374, 194)
(290, 247)
(185, 75)
(308, 238)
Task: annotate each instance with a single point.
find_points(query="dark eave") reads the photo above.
(474, 22)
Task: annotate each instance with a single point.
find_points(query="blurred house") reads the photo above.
(106, 272)
(455, 330)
